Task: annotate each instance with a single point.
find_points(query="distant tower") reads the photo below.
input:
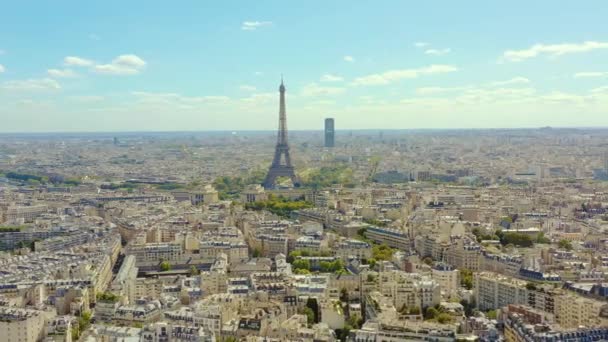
(330, 138)
(281, 164)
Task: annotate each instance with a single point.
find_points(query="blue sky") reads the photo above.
(202, 65)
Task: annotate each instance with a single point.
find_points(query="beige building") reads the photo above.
(572, 311)
(24, 213)
(493, 291)
(254, 193)
(447, 278)
(21, 325)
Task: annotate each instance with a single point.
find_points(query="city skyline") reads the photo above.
(203, 68)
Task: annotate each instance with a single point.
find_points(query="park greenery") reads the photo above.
(511, 238)
(375, 222)
(107, 297)
(379, 252)
(436, 313)
(382, 253)
(170, 186)
(336, 266)
(306, 253)
(33, 179)
(11, 229)
(405, 310)
(328, 176)
(230, 187)
(280, 206)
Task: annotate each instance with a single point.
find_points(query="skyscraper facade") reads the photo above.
(330, 139)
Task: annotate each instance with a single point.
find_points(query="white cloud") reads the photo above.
(259, 99)
(88, 98)
(31, 84)
(349, 59)
(177, 99)
(331, 78)
(437, 90)
(258, 73)
(77, 61)
(313, 89)
(420, 44)
(2, 69)
(2, 52)
(514, 80)
(558, 96)
(437, 52)
(93, 36)
(61, 73)
(246, 87)
(254, 25)
(489, 86)
(553, 50)
(396, 75)
(122, 65)
(591, 74)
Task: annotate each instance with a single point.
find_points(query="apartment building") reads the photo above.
(572, 311)
(447, 277)
(18, 214)
(351, 248)
(463, 253)
(22, 325)
(493, 291)
(391, 237)
(124, 282)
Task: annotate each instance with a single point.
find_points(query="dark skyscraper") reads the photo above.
(281, 164)
(330, 139)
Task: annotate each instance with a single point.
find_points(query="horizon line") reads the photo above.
(314, 130)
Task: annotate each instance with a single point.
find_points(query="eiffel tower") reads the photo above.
(281, 164)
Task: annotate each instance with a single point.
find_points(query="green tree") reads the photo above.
(344, 297)
(466, 278)
(541, 238)
(342, 334)
(431, 313)
(444, 318)
(428, 260)
(382, 252)
(194, 271)
(301, 271)
(256, 253)
(325, 266)
(310, 315)
(491, 314)
(301, 264)
(312, 304)
(517, 239)
(565, 244)
(165, 266)
(84, 321)
(107, 297)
